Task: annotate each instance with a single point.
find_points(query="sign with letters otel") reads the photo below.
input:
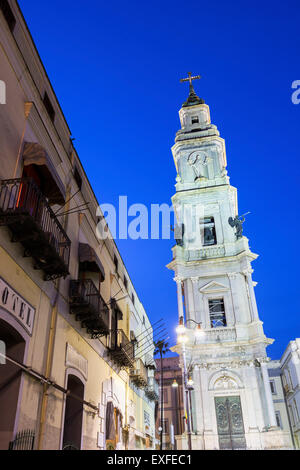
(17, 306)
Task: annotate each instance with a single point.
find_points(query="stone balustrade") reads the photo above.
(216, 251)
(218, 334)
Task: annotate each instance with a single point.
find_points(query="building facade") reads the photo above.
(173, 409)
(279, 399)
(290, 375)
(232, 405)
(73, 368)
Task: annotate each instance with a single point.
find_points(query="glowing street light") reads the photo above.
(199, 333)
(180, 330)
(190, 382)
(183, 339)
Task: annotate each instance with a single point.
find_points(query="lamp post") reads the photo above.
(187, 381)
(161, 348)
(176, 423)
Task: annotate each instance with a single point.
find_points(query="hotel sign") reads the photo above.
(11, 301)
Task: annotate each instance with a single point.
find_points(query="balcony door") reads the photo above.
(114, 329)
(230, 423)
(113, 427)
(30, 172)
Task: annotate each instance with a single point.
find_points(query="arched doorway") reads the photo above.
(73, 414)
(10, 381)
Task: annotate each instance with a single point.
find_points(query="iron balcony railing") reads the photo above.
(25, 210)
(121, 349)
(152, 389)
(89, 307)
(138, 374)
(24, 440)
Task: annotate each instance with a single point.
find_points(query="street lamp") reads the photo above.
(187, 380)
(190, 383)
(181, 329)
(199, 333)
(161, 348)
(175, 384)
(183, 339)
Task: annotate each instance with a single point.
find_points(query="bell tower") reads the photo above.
(231, 404)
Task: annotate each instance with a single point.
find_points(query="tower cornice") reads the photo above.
(222, 261)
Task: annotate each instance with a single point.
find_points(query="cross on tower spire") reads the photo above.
(190, 78)
(193, 99)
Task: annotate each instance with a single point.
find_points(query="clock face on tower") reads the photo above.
(197, 157)
(198, 161)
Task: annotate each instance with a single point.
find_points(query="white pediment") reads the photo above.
(213, 286)
(76, 360)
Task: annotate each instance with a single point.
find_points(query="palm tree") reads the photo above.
(161, 348)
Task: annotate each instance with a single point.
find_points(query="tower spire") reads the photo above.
(212, 264)
(193, 99)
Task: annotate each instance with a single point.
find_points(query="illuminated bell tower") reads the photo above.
(232, 406)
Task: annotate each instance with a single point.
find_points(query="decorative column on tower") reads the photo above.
(212, 260)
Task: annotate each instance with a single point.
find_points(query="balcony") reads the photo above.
(32, 222)
(192, 254)
(220, 334)
(89, 307)
(152, 389)
(138, 374)
(215, 251)
(121, 349)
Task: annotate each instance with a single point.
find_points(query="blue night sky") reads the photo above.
(115, 67)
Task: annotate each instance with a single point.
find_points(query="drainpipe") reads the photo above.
(50, 349)
(126, 415)
(50, 353)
